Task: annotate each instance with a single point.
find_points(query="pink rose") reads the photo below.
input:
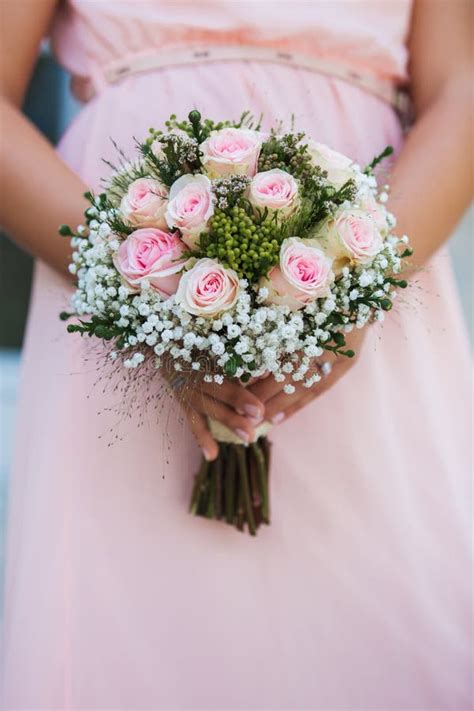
(207, 288)
(338, 166)
(351, 235)
(153, 256)
(275, 189)
(144, 204)
(190, 207)
(304, 274)
(231, 151)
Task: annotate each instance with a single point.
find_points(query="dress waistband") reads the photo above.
(84, 88)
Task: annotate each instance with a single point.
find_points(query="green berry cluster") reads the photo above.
(241, 243)
(290, 154)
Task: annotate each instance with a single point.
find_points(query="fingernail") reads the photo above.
(253, 411)
(207, 454)
(243, 435)
(255, 421)
(278, 417)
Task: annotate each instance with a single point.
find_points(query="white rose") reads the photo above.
(338, 166)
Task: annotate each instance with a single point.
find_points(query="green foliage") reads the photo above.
(386, 304)
(200, 129)
(124, 172)
(288, 153)
(230, 190)
(97, 326)
(65, 231)
(180, 156)
(319, 198)
(378, 159)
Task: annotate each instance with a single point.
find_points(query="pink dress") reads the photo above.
(357, 595)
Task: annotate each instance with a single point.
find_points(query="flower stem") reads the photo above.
(198, 486)
(230, 471)
(217, 477)
(244, 485)
(263, 479)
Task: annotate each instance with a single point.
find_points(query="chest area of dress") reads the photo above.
(165, 22)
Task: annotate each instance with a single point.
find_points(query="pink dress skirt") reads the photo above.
(357, 595)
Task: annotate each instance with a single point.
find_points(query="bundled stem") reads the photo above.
(234, 487)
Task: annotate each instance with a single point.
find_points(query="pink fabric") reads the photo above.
(88, 35)
(357, 595)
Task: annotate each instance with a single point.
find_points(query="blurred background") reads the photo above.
(51, 107)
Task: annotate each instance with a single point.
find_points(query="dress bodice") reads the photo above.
(367, 35)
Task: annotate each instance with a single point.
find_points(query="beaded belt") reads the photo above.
(116, 71)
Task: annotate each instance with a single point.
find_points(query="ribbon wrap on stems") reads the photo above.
(235, 486)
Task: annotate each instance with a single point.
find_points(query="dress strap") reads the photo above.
(152, 60)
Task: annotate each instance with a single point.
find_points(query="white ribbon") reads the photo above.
(223, 434)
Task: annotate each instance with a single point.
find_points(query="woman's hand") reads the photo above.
(230, 403)
(280, 406)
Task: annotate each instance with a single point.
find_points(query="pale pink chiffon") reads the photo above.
(356, 597)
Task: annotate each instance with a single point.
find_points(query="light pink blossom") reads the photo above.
(304, 274)
(190, 207)
(154, 256)
(352, 235)
(274, 189)
(231, 151)
(144, 204)
(207, 288)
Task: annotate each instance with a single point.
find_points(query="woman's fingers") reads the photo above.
(277, 408)
(281, 405)
(241, 399)
(197, 400)
(217, 410)
(265, 389)
(205, 440)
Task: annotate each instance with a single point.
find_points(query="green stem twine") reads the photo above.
(198, 486)
(230, 470)
(212, 488)
(262, 475)
(217, 475)
(244, 485)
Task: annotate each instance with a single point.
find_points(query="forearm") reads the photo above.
(39, 191)
(431, 184)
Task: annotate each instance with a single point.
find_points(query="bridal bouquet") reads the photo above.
(229, 252)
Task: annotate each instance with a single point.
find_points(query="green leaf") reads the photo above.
(102, 331)
(65, 231)
(231, 367)
(339, 339)
(378, 159)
